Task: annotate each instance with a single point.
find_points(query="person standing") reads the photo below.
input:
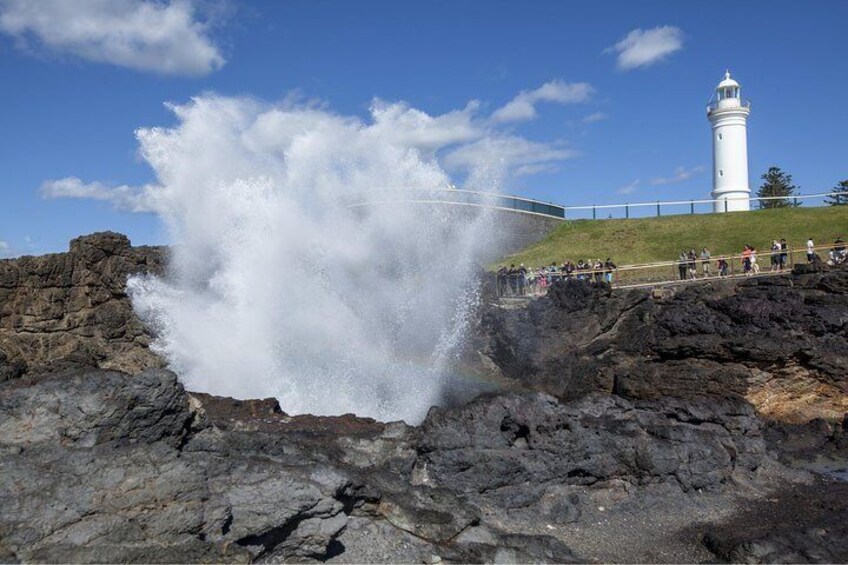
(705, 261)
(775, 255)
(693, 264)
(722, 267)
(598, 271)
(681, 265)
(784, 251)
(552, 274)
(811, 250)
(542, 278)
(522, 280)
(512, 279)
(609, 267)
(746, 260)
(502, 281)
(530, 277)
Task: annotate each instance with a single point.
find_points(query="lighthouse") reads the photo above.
(728, 116)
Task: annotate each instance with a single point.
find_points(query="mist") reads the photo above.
(278, 286)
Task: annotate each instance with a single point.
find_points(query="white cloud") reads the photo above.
(163, 37)
(4, 249)
(680, 174)
(628, 188)
(123, 197)
(402, 124)
(515, 155)
(523, 106)
(596, 117)
(642, 48)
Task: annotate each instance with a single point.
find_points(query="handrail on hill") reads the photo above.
(460, 197)
(795, 200)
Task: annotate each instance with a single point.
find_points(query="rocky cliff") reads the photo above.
(654, 428)
(74, 305)
(779, 343)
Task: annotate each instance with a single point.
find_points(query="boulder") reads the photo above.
(494, 445)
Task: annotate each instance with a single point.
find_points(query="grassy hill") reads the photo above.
(646, 240)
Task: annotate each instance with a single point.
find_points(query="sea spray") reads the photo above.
(278, 285)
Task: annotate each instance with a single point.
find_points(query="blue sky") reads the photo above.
(622, 124)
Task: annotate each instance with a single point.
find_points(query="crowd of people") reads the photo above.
(688, 261)
(521, 281)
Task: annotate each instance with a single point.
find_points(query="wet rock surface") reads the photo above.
(682, 428)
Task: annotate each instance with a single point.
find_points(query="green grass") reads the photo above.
(647, 240)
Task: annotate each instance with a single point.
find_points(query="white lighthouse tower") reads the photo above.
(729, 118)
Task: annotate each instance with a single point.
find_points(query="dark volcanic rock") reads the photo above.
(561, 344)
(520, 440)
(100, 466)
(74, 304)
(103, 466)
(10, 369)
(803, 525)
(88, 407)
(806, 442)
(781, 342)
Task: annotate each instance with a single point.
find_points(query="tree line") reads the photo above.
(778, 185)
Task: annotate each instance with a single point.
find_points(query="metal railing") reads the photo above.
(460, 197)
(714, 105)
(656, 208)
(627, 210)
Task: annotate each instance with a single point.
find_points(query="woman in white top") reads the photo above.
(755, 268)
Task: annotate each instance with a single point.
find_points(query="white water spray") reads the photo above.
(276, 287)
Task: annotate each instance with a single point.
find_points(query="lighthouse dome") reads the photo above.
(727, 82)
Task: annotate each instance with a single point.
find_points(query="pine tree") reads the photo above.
(839, 194)
(776, 183)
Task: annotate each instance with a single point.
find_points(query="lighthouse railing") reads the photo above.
(714, 105)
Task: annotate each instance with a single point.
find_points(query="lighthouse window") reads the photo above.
(719, 136)
(721, 173)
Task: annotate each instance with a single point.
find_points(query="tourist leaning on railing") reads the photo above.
(838, 255)
(723, 267)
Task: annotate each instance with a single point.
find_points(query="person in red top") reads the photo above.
(746, 259)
